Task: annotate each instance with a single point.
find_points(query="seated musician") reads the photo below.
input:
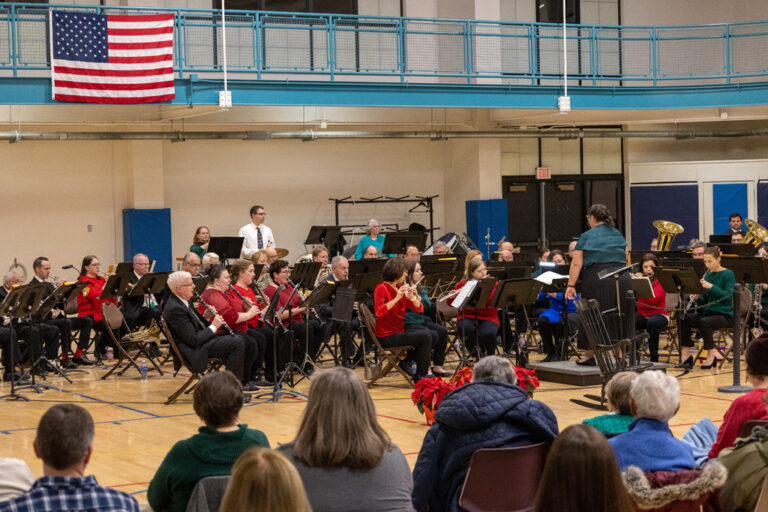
(89, 304)
(263, 279)
(210, 259)
(737, 238)
(652, 311)
(200, 241)
(440, 248)
(190, 263)
(480, 341)
(196, 341)
(415, 320)
(714, 310)
(293, 317)
(392, 298)
(549, 320)
(412, 253)
(9, 338)
(345, 330)
(654, 244)
(506, 255)
(242, 277)
(271, 253)
(371, 253)
(371, 238)
(140, 311)
(697, 250)
(216, 296)
(320, 255)
(42, 269)
(507, 246)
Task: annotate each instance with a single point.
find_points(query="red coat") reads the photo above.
(389, 322)
(224, 306)
(653, 305)
(88, 301)
(744, 408)
(486, 313)
(248, 293)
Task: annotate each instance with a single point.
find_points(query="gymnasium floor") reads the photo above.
(134, 430)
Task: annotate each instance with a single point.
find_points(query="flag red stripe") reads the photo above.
(141, 60)
(140, 46)
(107, 99)
(114, 87)
(129, 18)
(113, 72)
(139, 31)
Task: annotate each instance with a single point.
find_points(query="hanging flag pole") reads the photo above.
(225, 96)
(564, 101)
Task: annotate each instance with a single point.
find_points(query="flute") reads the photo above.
(212, 311)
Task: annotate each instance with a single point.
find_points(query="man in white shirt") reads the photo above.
(256, 235)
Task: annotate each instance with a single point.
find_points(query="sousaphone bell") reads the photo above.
(756, 234)
(668, 230)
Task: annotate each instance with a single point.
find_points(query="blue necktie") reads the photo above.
(259, 239)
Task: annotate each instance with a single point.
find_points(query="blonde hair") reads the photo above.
(255, 257)
(263, 479)
(339, 427)
(474, 253)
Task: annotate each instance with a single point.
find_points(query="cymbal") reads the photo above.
(281, 253)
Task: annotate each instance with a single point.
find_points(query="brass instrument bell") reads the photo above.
(668, 230)
(756, 234)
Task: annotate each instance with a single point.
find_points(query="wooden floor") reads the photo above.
(134, 430)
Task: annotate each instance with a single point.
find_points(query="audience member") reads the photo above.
(217, 401)
(490, 412)
(649, 444)
(581, 475)
(64, 442)
(263, 479)
(619, 417)
(17, 478)
(344, 457)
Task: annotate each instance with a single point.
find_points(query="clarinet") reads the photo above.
(212, 311)
(315, 314)
(246, 301)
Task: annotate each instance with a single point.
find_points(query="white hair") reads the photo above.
(8, 277)
(337, 260)
(656, 395)
(370, 225)
(209, 256)
(494, 369)
(139, 255)
(175, 279)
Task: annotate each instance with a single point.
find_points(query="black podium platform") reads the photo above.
(568, 372)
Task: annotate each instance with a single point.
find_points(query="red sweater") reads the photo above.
(486, 313)
(653, 305)
(248, 293)
(224, 306)
(295, 301)
(389, 322)
(88, 302)
(746, 407)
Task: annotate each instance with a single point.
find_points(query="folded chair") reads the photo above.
(391, 356)
(115, 320)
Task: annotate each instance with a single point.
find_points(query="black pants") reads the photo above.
(66, 325)
(231, 350)
(484, 338)
(549, 330)
(654, 324)
(706, 323)
(764, 317)
(301, 344)
(262, 335)
(40, 338)
(439, 335)
(8, 343)
(146, 315)
(604, 291)
(250, 351)
(345, 331)
(420, 340)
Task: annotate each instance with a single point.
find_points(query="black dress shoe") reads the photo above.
(246, 398)
(68, 364)
(250, 386)
(587, 362)
(8, 376)
(83, 361)
(687, 364)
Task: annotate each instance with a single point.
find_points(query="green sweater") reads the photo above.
(722, 288)
(209, 453)
(611, 423)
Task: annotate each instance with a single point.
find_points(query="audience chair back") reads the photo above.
(762, 501)
(391, 356)
(489, 472)
(745, 430)
(207, 494)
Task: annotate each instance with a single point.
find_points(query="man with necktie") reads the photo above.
(256, 235)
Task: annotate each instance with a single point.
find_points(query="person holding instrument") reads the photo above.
(415, 320)
(714, 310)
(652, 311)
(200, 241)
(601, 248)
(391, 299)
(487, 317)
(243, 297)
(89, 303)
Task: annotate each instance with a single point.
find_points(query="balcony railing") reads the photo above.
(270, 45)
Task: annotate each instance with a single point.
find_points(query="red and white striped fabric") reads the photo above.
(101, 58)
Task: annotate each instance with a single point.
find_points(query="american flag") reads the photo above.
(105, 58)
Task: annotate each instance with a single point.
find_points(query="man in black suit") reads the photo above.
(140, 311)
(196, 341)
(345, 330)
(42, 268)
(734, 224)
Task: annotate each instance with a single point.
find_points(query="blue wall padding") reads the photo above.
(484, 214)
(728, 198)
(650, 202)
(762, 203)
(148, 231)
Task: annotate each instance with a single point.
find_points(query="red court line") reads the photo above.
(411, 453)
(398, 419)
(709, 397)
(128, 485)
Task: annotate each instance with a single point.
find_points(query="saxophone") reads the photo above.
(757, 309)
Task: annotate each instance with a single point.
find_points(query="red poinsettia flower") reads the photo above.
(430, 392)
(462, 376)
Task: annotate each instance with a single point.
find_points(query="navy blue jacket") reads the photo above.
(477, 415)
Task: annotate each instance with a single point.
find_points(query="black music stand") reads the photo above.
(37, 316)
(616, 275)
(327, 236)
(227, 247)
(680, 281)
(123, 268)
(320, 295)
(719, 239)
(366, 266)
(364, 286)
(479, 295)
(343, 309)
(506, 272)
(306, 274)
(200, 284)
(395, 243)
(512, 293)
(28, 300)
(115, 287)
(438, 258)
(740, 250)
(150, 283)
(697, 264)
(7, 309)
(292, 367)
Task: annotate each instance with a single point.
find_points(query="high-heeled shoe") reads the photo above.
(688, 363)
(587, 362)
(713, 365)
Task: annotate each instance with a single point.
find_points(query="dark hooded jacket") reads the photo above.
(477, 415)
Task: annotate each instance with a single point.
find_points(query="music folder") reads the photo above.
(642, 287)
(226, 247)
(150, 283)
(116, 286)
(679, 280)
(306, 273)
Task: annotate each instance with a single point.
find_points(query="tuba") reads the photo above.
(756, 234)
(668, 230)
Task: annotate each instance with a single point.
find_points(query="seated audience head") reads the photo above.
(339, 426)
(617, 392)
(180, 283)
(320, 255)
(217, 400)
(140, 264)
(757, 360)
(210, 259)
(279, 272)
(263, 479)
(494, 369)
(373, 228)
(202, 235)
(439, 248)
(735, 221)
(90, 266)
(655, 244)
(506, 255)
(412, 253)
(697, 250)
(655, 395)
(340, 267)
(581, 474)
(394, 270)
(737, 238)
(370, 253)
(191, 263)
(64, 440)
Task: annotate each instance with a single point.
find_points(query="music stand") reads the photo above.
(29, 300)
(511, 293)
(115, 287)
(306, 273)
(150, 283)
(506, 272)
(366, 266)
(697, 264)
(124, 268)
(719, 239)
(740, 250)
(37, 316)
(200, 284)
(680, 281)
(226, 247)
(642, 287)
(395, 243)
(320, 295)
(7, 308)
(324, 235)
(479, 293)
(427, 259)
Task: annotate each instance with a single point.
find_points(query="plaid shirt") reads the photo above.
(64, 494)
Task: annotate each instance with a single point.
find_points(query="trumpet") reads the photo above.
(212, 311)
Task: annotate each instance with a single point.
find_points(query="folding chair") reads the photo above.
(391, 355)
(673, 344)
(488, 478)
(114, 319)
(214, 364)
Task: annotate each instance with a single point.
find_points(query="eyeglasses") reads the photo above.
(187, 284)
(94, 265)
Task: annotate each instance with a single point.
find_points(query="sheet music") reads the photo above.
(464, 293)
(549, 276)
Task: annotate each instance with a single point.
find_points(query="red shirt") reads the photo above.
(486, 313)
(88, 301)
(653, 305)
(249, 294)
(224, 306)
(389, 322)
(295, 301)
(746, 407)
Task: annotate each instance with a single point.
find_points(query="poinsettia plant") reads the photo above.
(462, 376)
(527, 379)
(428, 393)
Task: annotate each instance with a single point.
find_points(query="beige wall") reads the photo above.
(691, 12)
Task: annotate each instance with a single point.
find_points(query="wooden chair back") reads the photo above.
(391, 355)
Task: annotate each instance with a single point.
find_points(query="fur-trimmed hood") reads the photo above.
(688, 485)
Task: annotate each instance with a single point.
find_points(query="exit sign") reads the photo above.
(542, 173)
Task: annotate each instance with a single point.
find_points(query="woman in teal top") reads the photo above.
(714, 310)
(371, 238)
(200, 241)
(414, 320)
(602, 247)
